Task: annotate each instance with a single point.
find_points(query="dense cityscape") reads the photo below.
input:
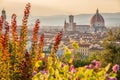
(89, 37)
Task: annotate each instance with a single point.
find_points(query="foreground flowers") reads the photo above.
(115, 68)
(61, 71)
(94, 64)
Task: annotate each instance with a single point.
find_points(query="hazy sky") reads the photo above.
(60, 7)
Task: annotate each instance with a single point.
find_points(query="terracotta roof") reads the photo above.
(82, 25)
(97, 18)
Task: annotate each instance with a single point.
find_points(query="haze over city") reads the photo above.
(60, 7)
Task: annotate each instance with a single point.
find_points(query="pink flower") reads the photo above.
(62, 65)
(90, 66)
(87, 67)
(115, 68)
(44, 72)
(72, 69)
(34, 73)
(111, 78)
(96, 64)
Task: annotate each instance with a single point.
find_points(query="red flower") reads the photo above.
(57, 41)
(6, 35)
(58, 37)
(27, 10)
(35, 31)
(24, 30)
(42, 40)
(1, 22)
(14, 25)
(41, 44)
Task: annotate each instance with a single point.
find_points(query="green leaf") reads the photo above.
(113, 75)
(68, 56)
(51, 71)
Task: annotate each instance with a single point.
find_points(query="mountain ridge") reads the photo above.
(111, 19)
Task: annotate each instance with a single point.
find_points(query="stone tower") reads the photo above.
(71, 19)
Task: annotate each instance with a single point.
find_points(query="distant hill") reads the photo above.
(111, 19)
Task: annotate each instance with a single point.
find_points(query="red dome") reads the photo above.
(97, 18)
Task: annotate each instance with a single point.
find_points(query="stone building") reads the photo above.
(71, 26)
(97, 24)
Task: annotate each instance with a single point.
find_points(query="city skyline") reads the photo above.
(60, 7)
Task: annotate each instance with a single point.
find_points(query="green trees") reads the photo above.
(111, 53)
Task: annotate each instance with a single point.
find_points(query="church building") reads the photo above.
(71, 26)
(97, 24)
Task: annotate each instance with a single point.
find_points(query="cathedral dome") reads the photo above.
(97, 19)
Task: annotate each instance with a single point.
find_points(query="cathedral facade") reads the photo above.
(97, 24)
(71, 26)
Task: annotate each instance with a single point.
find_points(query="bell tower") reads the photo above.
(65, 26)
(71, 19)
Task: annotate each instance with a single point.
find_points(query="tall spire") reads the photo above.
(3, 10)
(4, 14)
(97, 11)
(65, 26)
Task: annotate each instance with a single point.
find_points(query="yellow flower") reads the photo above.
(66, 50)
(50, 62)
(57, 73)
(75, 45)
(42, 55)
(70, 61)
(38, 63)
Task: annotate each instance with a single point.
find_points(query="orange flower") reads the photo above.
(14, 25)
(24, 30)
(57, 41)
(6, 53)
(1, 22)
(41, 43)
(6, 36)
(35, 31)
